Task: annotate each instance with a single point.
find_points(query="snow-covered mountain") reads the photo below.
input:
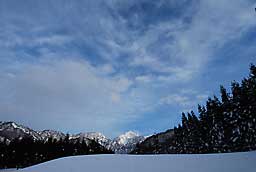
(46, 134)
(124, 143)
(98, 137)
(11, 130)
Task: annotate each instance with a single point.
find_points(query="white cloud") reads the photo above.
(176, 99)
(107, 69)
(55, 40)
(185, 99)
(115, 97)
(68, 91)
(144, 78)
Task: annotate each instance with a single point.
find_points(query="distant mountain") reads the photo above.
(98, 137)
(155, 144)
(124, 143)
(46, 134)
(11, 130)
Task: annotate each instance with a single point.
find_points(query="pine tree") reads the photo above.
(204, 130)
(184, 134)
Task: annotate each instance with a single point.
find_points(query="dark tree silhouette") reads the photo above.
(25, 152)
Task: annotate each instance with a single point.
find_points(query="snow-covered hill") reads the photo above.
(230, 162)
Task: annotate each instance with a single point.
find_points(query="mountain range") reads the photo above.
(122, 144)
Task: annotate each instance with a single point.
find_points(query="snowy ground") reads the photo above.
(233, 162)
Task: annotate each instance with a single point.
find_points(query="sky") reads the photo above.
(113, 66)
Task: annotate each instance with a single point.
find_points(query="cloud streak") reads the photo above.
(67, 91)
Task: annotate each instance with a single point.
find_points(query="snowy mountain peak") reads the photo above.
(126, 142)
(96, 136)
(124, 138)
(11, 130)
(46, 134)
(130, 134)
(92, 135)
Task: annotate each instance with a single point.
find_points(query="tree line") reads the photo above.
(24, 152)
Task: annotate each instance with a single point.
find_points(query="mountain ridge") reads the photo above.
(124, 143)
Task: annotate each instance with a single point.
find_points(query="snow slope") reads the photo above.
(232, 162)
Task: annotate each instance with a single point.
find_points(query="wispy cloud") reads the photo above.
(67, 91)
(187, 99)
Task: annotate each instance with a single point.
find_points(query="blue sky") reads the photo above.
(113, 66)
